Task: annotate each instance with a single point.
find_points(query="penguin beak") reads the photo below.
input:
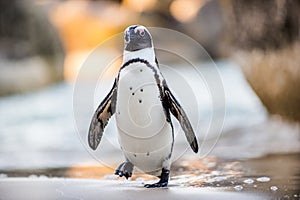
(130, 33)
(127, 37)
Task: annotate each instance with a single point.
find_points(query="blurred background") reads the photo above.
(43, 43)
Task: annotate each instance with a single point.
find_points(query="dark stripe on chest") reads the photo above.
(157, 80)
(156, 76)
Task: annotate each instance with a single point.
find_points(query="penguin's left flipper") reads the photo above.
(101, 117)
(181, 116)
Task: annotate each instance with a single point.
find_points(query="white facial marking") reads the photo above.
(127, 29)
(140, 30)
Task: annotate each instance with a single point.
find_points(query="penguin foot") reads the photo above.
(163, 182)
(125, 169)
(157, 185)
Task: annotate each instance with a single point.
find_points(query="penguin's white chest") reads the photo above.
(144, 134)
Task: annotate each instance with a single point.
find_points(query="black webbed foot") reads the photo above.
(163, 182)
(125, 169)
(157, 185)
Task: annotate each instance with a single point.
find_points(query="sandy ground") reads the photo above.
(61, 188)
(191, 178)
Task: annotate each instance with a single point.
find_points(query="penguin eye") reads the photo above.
(142, 33)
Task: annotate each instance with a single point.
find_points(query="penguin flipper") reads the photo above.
(182, 118)
(101, 117)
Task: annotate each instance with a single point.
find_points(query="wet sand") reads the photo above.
(270, 177)
(104, 189)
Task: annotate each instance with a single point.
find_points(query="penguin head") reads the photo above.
(137, 37)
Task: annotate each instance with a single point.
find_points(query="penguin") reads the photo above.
(142, 104)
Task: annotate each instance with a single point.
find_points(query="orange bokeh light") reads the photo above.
(185, 10)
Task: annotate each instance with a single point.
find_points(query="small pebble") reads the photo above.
(263, 179)
(238, 187)
(249, 181)
(274, 188)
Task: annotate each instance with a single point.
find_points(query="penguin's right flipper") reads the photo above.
(101, 117)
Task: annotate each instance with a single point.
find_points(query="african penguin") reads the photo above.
(142, 103)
